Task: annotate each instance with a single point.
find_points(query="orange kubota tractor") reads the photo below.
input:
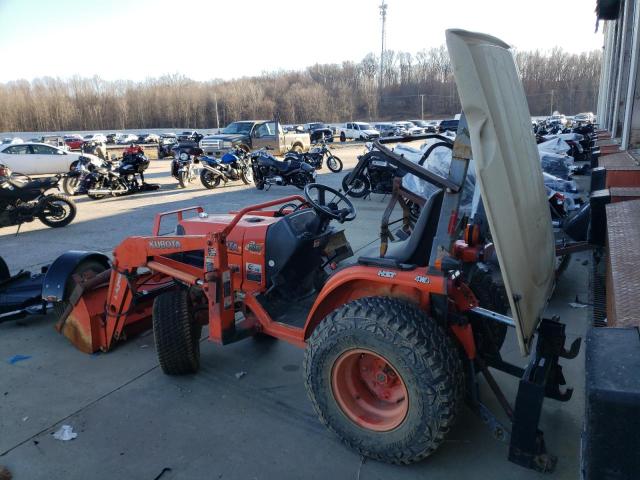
(394, 341)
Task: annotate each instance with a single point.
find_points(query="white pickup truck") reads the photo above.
(357, 131)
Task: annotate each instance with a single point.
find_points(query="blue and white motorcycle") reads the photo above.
(233, 165)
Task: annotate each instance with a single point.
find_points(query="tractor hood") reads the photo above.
(508, 172)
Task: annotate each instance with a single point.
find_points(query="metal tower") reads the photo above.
(383, 15)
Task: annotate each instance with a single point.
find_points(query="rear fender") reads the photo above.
(55, 280)
(415, 286)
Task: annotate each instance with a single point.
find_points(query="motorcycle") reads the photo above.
(315, 157)
(184, 165)
(78, 171)
(372, 174)
(233, 165)
(120, 179)
(267, 170)
(22, 199)
(166, 146)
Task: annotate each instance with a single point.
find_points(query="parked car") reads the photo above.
(557, 119)
(95, 137)
(585, 117)
(11, 140)
(410, 128)
(148, 138)
(450, 125)
(427, 127)
(358, 131)
(54, 141)
(38, 158)
(112, 137)
(188, 136)
(74, 141)
(254, 134)
(390, 129)
(128, 138)
(319, 131)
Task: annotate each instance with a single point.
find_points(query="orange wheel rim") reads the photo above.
(369, 390)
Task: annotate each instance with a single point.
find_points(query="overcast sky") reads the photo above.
(207, 39)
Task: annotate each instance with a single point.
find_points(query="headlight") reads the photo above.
(227, 144)
(184, 156)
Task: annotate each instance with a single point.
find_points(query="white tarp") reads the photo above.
(508, 172)
(438, 161)
(554, 145)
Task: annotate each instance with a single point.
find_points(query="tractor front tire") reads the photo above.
(385, 378)
(176, 335)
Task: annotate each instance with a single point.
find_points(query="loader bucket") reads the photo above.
(84, 327)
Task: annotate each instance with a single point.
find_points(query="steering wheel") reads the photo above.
(329, 209)
(293, 206)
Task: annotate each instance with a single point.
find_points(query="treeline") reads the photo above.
(411, 85)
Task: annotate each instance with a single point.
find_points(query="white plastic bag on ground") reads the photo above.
(65, 433)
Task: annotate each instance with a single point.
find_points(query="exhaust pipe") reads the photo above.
(100, 191)
(212, 170)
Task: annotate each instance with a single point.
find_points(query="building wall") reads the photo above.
(619, 95)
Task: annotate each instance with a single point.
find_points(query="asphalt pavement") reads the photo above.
(135, 422)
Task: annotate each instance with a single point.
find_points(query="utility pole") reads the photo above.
(215, 98)
(422, 106)
(383, 15)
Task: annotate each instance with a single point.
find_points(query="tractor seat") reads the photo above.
(416, 249)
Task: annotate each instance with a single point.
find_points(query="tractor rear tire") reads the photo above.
(176, 335)
(406, 417)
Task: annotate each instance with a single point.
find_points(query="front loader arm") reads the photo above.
(214, 277)
(135, 252)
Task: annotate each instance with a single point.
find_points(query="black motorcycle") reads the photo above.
(119, 179)
(184, 166)
(166, 146)
(316, 156)
(372, 174)
(78, 171)
(22, 199)
(233, 165)
(267, 170)
(375, 174)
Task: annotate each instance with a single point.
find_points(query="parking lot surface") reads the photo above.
(135, 422)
